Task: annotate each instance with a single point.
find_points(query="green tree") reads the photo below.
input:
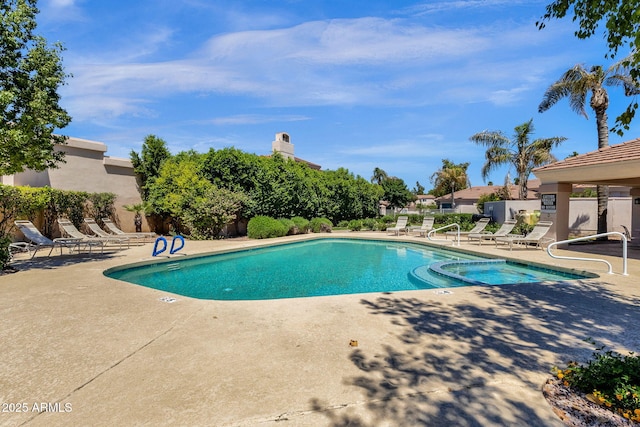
(232, 169)
(520, 152)
(621, 27)
(178, 185)
(31, 73)
(147, 164)
(576, 84)
(449, 179)
(396, 192)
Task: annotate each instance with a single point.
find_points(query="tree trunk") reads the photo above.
(523, 187)
(600, 103)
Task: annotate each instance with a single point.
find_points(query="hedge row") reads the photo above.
(264, 227)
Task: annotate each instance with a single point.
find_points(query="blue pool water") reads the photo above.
(326, 267)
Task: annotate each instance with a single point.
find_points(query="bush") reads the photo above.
(264, 227)
(289, 225)
(301, 223)
(370, 224)
(355, 225)
(319, 225)
(5, 256)
(611, 379)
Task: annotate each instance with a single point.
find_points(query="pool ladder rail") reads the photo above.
(173, 250)
(456, 241)
(578, 239)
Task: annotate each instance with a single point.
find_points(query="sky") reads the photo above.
(362, 84)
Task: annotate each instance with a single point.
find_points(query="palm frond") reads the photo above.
(490, 138)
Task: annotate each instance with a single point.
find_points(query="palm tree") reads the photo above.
(522, 154)
(575, 84)
(451, 176)
(379, 175)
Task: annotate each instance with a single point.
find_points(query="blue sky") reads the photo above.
(360, 84)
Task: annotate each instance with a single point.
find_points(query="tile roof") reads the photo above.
(629, 150)
(474, 193)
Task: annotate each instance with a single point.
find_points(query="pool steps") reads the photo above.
(438, 268)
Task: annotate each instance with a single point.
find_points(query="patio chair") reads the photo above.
(99, 232)
(477, 228)
(504, 230)
(536, 236)
(427, 226)
(114, 230)
(67, 228)
(401, 225)
(37, 240)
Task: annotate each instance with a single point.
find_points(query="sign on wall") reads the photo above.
(548, 203)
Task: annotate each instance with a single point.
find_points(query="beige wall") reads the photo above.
(582, 216)
(88, 169)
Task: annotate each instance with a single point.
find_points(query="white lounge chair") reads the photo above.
(477, 228)
(427, 226)
(67, 228)
(38, 240)
(536, 236)
(99, 232)
(401, 225)
(114, 230)
(504, 230)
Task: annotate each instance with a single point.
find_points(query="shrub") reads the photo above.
(612, 380)
(301, 223)
(319, 225)
(388, 218)
(370, 224)
(207, 216)
(289, 225)
(5, 256)
(355, 225)
(343, 224)
(264, 227)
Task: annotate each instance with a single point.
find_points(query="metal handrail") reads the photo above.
(624, 250)
(442, 228)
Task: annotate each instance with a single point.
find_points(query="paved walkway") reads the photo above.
(96, 351)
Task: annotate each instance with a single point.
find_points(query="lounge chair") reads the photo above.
(477, 228)
(536, 236)
(504, 230)
(427, 226)
(37, 240)
(70, 230)
(401, 225)
(114, 230)
(99, 232)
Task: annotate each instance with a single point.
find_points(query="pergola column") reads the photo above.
(554, 207)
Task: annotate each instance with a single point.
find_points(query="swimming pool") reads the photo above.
(328, 266)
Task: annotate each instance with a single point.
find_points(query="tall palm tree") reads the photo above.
(451, 176)
(519, 152)
(379, 175)
(575, 84)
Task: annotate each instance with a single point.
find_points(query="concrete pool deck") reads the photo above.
(97, 351)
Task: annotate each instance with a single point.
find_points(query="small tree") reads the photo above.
(30, 74)
(450, 178)
(396, 192)
(147, 164)
(208, 215)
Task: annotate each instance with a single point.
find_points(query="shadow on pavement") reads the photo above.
(445, 365)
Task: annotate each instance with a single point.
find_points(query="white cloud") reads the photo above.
(366, 61)
(243, 119)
